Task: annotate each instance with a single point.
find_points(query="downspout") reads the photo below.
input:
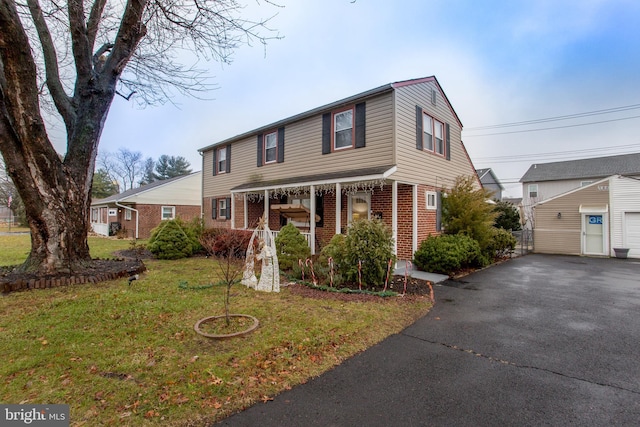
(130, 209)
(202, 190)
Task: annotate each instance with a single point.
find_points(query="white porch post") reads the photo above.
(246, 211)
(266, 206)
(394, 215)
(233, 211)
(414, 231)
(338, 207)
(312, 218)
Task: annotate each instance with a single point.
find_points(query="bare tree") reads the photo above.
(73, 58)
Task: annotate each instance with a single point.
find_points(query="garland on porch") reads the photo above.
(321, 189)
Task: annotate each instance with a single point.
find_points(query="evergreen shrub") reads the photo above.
(291, 246)
(448, 254)
(502, 243)
(371, 243)
(173, 240)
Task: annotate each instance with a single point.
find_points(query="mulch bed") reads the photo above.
(97, 270)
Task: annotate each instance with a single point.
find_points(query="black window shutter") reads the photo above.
(281, 144)
(228, 159)
(439, 211)
(260, 149)
(360, 124)
(214, 208)
(320, 210)
(419, 132)
(326, 133)
(448, 144)
(228, 212)
(215, 161)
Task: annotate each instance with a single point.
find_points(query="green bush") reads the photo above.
(173, 240)
(448, 254)
(501, 244)
(291, 246)
(370, 242)
(336, 250)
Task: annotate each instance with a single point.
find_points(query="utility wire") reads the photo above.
(556, 153)
(557, 118)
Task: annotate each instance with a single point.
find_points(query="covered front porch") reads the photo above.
(333, 201)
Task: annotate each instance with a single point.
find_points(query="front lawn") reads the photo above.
(128, 355)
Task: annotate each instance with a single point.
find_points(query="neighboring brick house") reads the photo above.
(387, 153)
(546, 180)
(140, 210)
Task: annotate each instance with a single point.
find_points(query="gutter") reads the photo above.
(130, 209)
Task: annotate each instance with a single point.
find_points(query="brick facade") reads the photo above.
(150, 218)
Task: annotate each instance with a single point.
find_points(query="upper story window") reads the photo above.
(168, 212)
(270, 147)
(533, 191)
(222, 160)
(343, 129)
(433, 139)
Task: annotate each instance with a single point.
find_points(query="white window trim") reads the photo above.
(173, 212)
(274, 148)
(529, 188)
(221, 202)
(127, 215)
(335, 130)
(222, 152)
(434, 206)
(432, 133)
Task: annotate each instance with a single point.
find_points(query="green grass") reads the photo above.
(128, 355)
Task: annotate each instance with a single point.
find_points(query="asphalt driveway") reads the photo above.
(538, 340)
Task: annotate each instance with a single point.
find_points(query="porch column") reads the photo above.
(266, 206)
(312, 218)
(246, 211)
(233, 211)
(394, 215)
(414, 231)
(338, 207)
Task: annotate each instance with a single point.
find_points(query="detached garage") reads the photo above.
(591, 220)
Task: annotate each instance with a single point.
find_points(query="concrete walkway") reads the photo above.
(423, 275)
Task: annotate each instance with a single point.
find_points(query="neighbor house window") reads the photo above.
(533, 191)
(343, 129)
(113, 212)
(94, 215)
(222, 160)
(223, 209)
(127, 215)
(270, 147)
(168, 212)
(432, 200)
(584, 183)
(433, 138)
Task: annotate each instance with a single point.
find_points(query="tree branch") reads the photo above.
(94, 21)
(131, 31)
(54, 84)
(79, 44)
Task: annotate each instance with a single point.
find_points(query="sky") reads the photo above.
(499, 62)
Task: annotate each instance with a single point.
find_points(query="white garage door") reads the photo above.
(632, 233)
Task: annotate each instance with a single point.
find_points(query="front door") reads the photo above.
(594, 233)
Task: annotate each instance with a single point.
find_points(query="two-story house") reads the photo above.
(490, 181)
(385, 153)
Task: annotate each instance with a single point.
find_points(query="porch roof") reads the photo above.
(366, 174)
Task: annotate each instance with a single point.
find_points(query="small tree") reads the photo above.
(508, 216)
(467, 209)
(291, 246)
(369, 242)
(229, 261)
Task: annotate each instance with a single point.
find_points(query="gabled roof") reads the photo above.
(488, 173)
(121, 197)
(599, 167)
(337, 104)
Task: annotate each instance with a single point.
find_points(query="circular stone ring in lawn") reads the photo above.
(216, 327)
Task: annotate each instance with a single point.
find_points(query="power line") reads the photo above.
(556, 153)
(557, 118)
(551, 128)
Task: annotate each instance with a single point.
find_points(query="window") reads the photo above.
(127, 215)
(432, 200)
(533, 191)
(223, 209)
(433, 138)
(360, 206)
(94, 215)
(168, 212)
(222, 160)
(343, 130)
(270, 147)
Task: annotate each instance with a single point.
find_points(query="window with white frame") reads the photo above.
(433, 137)
(432, 200)
(168, 212)
(270, 147)
(223, 209)
(343, 129)
(533, 191)
(94, 215)
(222, 160)
(127, 215)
